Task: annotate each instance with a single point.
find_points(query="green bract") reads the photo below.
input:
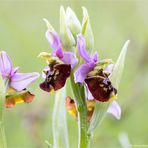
(101, 108)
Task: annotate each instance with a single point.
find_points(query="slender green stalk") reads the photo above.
(79, 94)
(82, 125)
(3, 143)
(60, 131)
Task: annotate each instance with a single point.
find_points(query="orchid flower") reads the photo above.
(93, 76)
(71, 107)
(96, 79)
(16, 83)
(59, 62)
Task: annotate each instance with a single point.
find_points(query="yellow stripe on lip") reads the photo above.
(18, 100)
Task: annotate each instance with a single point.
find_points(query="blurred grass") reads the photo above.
(113, 22)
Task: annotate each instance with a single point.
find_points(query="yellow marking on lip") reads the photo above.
(113, 98)
(18, 100)
(101, 85)
(72, 112)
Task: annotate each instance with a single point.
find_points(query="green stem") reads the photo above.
(2, 136)
(60, 132)
(3, 143)
(82, 125)
(79, 94)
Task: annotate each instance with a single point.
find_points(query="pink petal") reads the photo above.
(14, 70)
(69, 58)
(21, 80)
(109, 68)
(82, 72)
(115, 110)
(82, 48)
(5, 64)
(94, 57)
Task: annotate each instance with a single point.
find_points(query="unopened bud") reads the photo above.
(67, 38)
(87, 30)
(73, 22)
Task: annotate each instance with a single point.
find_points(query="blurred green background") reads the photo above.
(113, 21)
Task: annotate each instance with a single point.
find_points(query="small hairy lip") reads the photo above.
(56, 77)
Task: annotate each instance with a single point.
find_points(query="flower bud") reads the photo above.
(87, 30)
(67, 38)
(73, 22)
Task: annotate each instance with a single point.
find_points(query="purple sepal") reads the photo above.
(55, 43)
(94, 57)
(82, 48)
(5, 64)
(14, 70)
(83, 51)
(20, 81)
(69, 58)
(82, 72)
(115, 110)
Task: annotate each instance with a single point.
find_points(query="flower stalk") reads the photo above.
(60, 132)
(78, 91)
(3, 143)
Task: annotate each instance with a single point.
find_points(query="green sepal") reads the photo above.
(103, 63)
(49, 26)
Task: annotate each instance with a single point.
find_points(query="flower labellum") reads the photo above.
(56, 77)
(23, 97)
(71, 107)
(100, 87)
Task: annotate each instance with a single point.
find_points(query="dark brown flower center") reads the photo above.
(56, 77)
(100, 86)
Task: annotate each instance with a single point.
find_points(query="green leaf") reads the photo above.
(59, 121)
(101, 108)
